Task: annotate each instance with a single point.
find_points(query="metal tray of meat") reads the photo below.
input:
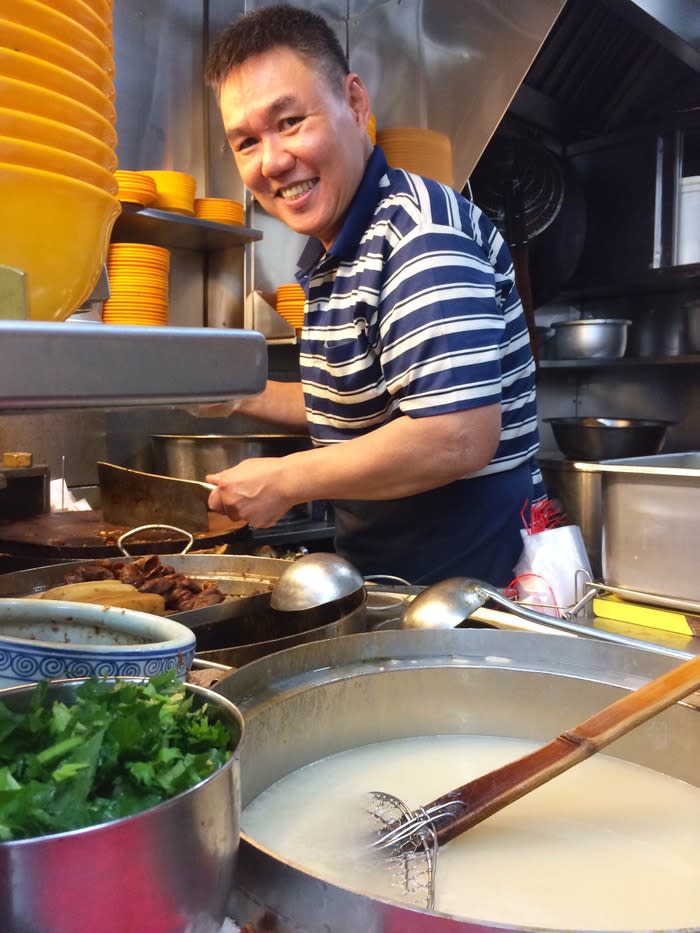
(246, 581)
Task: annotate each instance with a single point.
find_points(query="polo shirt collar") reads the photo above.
(357, 219)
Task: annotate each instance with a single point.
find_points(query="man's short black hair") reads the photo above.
(305, 33)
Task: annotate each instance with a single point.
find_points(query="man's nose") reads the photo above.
(275, 157)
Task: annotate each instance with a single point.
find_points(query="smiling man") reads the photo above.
(417, 379)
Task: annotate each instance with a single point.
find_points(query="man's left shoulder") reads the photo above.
(423, 200)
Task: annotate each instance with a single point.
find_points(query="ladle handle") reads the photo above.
(491, 792)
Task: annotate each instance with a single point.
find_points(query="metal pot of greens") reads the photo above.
(119, 806)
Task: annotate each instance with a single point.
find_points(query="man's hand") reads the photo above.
(252, 491)
(214, 409)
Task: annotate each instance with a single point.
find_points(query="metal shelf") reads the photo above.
(179, 231)
(81, 365)
(686, 360)
(666, 279)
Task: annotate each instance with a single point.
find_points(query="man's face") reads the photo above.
(300, 146)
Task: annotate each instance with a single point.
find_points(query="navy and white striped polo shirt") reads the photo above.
(413, 311)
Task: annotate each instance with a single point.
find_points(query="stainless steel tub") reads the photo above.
(311, 701)
(651, 532)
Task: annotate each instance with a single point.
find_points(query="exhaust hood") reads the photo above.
(452, 66)
(575, 68)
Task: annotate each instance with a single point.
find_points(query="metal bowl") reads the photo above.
(592, 338)
(166, 868)
(608, 438)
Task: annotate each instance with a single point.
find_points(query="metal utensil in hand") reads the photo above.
(413, 837)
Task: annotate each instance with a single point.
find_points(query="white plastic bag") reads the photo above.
(547, 571)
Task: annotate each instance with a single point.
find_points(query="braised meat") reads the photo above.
(149, 575)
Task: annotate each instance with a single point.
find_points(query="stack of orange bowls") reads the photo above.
(424, 152)
(138, 285)
(174, 191)
(136, 188)
(57, 148)
(290, 305)
(220, 210)
(372, 128)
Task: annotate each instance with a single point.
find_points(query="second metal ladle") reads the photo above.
(449, 603)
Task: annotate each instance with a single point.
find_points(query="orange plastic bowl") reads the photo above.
(24, 39)
(33, 70)
(58, 161)
(36, 129)
(99, 24)
(42, 17)
(56, 230)
(54, 106)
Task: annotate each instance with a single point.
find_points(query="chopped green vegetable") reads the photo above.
(119, 749)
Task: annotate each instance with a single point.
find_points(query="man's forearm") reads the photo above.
(279, 403)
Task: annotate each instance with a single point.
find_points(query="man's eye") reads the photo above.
(243, 144)
(289, 122)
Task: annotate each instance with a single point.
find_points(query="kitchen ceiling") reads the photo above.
(609, 66)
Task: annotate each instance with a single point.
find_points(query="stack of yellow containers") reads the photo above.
(138, 284)
(424, 152)
(57, 148)
(290, 305)
(174, 191)
(372, 128)
(136, 188)
(220, 210)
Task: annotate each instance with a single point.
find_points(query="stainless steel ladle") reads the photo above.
(315, 580)
(449, 603)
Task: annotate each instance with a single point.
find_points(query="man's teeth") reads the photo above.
(295, 191)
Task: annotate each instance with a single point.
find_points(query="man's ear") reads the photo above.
(358, 99)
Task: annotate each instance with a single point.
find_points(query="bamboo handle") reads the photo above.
(490, 792)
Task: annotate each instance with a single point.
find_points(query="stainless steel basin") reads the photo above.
(308, 702)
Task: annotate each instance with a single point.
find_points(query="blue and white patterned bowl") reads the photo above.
(42, 639)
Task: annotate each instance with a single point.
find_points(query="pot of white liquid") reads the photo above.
(609, 845)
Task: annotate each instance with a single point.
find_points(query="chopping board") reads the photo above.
(68, 535)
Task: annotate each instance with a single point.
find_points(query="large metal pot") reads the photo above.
(306, 703)
(192, 456)
(166, 869)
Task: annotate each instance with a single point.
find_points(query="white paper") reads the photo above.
(63, 500)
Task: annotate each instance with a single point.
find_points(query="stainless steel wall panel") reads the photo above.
(79, 436)
(158, 52)
(225, 302)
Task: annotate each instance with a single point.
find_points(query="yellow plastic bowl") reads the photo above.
(57, 231)
(35, 14)
(54, 106)
(98, 22)
(34, 70)
(57, 161)
(28, 126)
(23, 39)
